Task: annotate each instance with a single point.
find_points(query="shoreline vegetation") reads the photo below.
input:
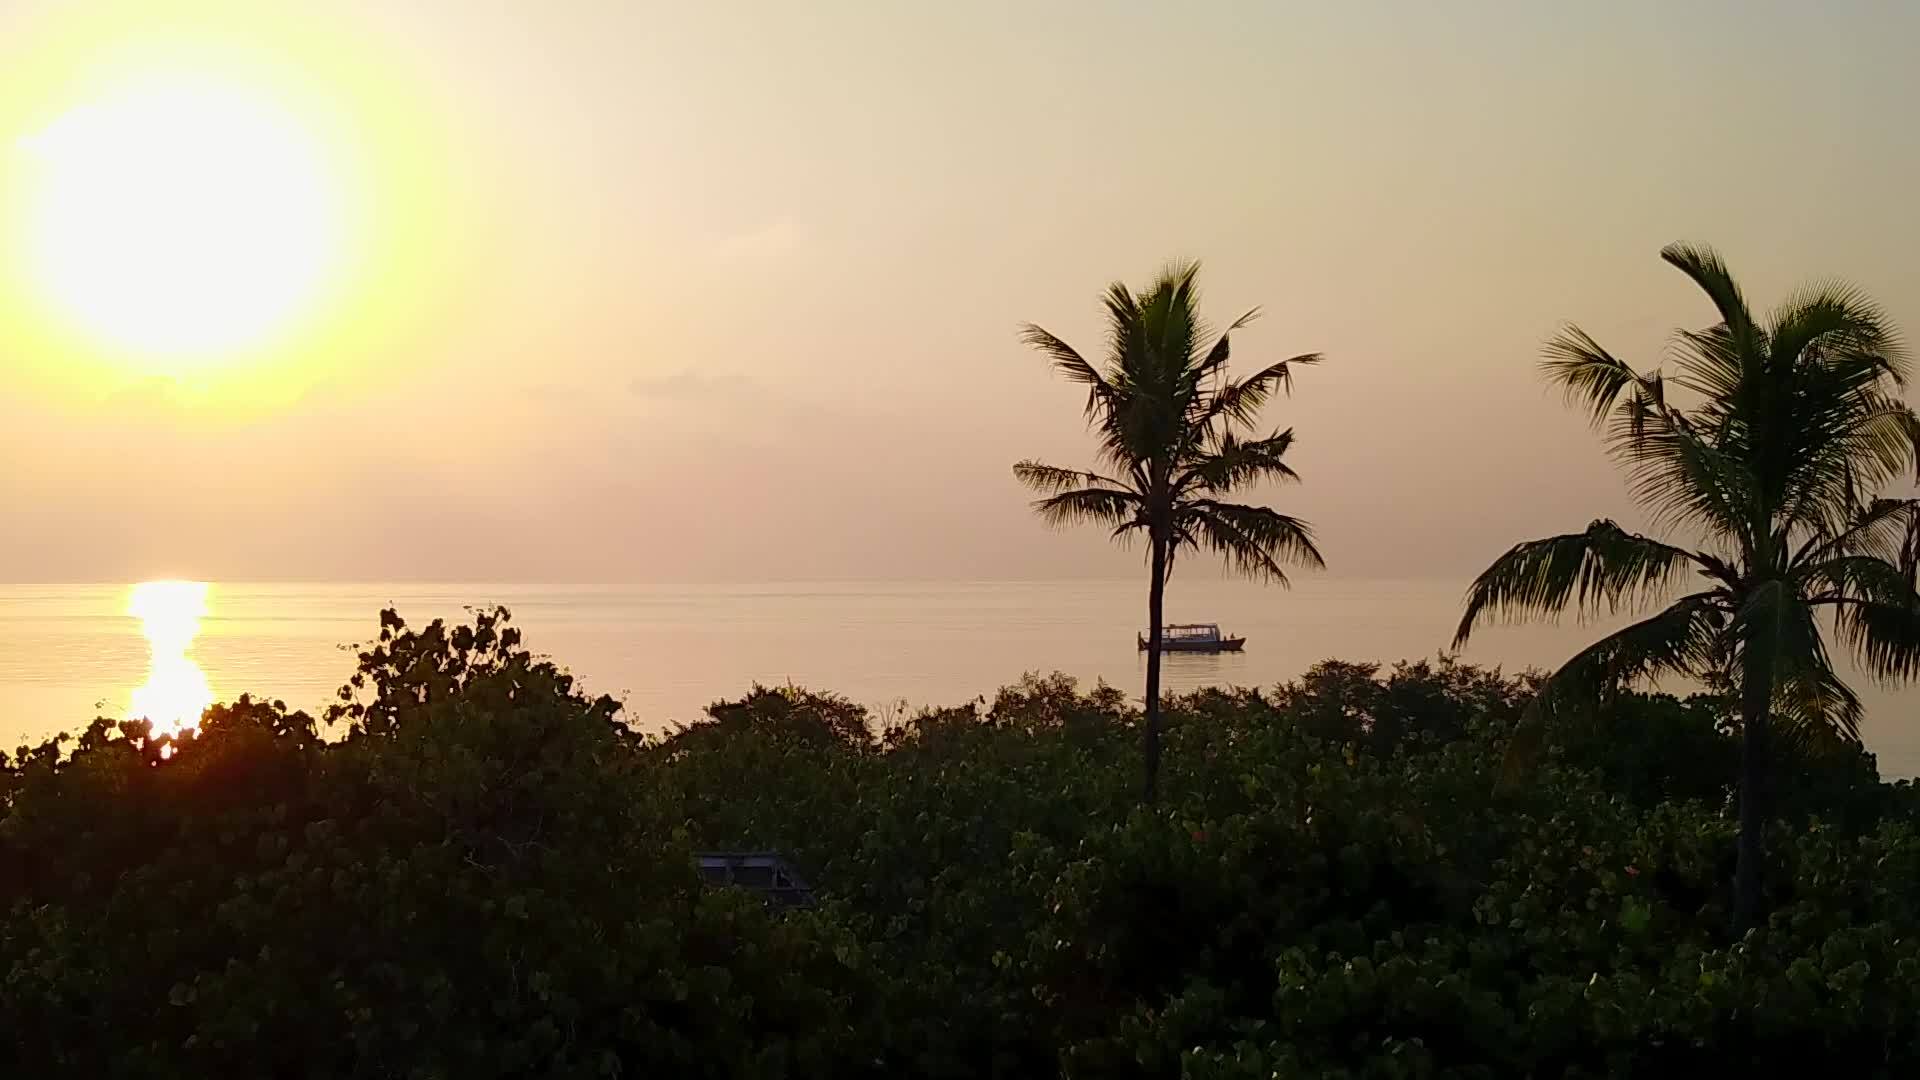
(480, 871)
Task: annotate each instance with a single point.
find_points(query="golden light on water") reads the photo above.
(176, 691)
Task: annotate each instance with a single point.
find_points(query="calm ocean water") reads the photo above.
(69, 652)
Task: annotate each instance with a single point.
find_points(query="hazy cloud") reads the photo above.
(773, 241)
(691, 385)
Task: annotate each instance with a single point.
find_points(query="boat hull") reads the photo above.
(1230, 644)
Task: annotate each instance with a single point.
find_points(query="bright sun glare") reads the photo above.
(179, 220)
(176, 691)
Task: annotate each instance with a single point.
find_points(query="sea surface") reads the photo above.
(70, 652)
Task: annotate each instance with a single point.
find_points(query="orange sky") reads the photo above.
(729, 292)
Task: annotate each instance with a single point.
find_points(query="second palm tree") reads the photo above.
(1794, 427)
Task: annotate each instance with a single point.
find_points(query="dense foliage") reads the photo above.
(481, 872)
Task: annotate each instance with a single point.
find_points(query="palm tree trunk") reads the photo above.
(1756, 694)
(1156, 599)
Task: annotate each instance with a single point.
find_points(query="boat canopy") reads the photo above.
(1190, 632)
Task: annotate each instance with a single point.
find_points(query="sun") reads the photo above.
(179, 221)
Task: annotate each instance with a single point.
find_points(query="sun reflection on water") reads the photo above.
(176, 691)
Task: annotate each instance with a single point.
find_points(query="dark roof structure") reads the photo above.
(764, 872)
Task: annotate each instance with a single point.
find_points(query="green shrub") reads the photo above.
(484, 873)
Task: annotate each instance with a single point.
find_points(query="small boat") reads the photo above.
(1194, 637)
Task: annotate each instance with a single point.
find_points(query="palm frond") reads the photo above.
(1682, 640)
(1840, 579)
(1177, 297)
(1255, 540)
(1710, 364)
(1680, 474)
(1878, 529)
(1710, 273)
(1153, 333)
(1836, 321)
(1117, 509)
(1218, 354)
(1067, 361)
(1052, 479)
(1825, 428)
(1881, 441)
(1240, 400)
(1234, 463)
(1877, 611)
(1811, 703)
(1886, 637)
(1123, 313)
(1591, 377)
(1605, 565)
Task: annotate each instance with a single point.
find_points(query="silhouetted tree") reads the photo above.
(1792, 426)
(1168, 419)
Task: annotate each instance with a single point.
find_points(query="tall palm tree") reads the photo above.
(1170, 423)
(1771, 467)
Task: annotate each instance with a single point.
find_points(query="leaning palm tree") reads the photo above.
(1767, 447)
(1170, 425)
